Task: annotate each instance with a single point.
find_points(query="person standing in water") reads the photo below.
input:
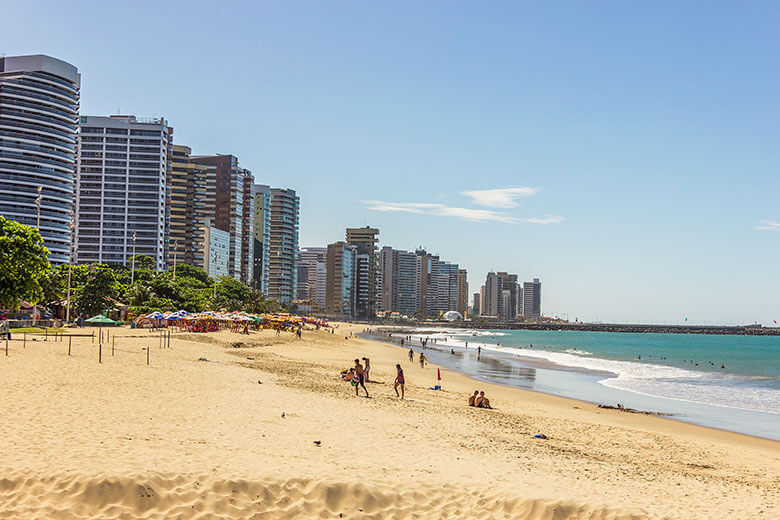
(399, 381)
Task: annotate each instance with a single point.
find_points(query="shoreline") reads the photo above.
(234, 436)
(625, 328)
(551, 365)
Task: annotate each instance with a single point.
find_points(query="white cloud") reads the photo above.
(499, 197)
(426, 208)
(543, 220)
(769, 225)
(468, 214)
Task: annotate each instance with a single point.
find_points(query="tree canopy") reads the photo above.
(23, 263)
(26, 274)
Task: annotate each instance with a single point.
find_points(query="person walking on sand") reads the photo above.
(399, 381)
(411, 356)
(422, 360)
(360, 377)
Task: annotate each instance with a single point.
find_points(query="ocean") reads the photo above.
(728, 382)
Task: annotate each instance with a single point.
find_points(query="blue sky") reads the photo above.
(626, 154)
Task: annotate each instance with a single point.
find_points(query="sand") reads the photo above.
(234, 437)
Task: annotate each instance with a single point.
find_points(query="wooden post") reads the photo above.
(46, 334)
(24, 345)
(161, 338)
(69, 338)
(93, 336)
(169, 338)
(100, 353)
(147, 355)
(7, 332)
(113, 340)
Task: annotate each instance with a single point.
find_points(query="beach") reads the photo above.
(259, 426)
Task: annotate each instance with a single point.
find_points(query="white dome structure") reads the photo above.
(452, 316)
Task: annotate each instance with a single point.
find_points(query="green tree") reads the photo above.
(232, 295)
(143, 262)
(23, 263)
(94, 296)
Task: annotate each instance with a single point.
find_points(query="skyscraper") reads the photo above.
(399, 281)
(283, 250)
(490, 296)
(341, 265)
(39, 111)
(532, 299)
(227, 181)
(123, 166)
(262, 236)
(312, 276)
(508, 282)
(247, 229)
(365, 239)
(463, 292)
(188, 209)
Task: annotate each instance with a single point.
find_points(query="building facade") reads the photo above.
(39, 114)
(341, 266)
(532, 299)
(312, 277)
(365, 239)
(283, 246)
(121, 189)
(262, 237)
(217, 251)
(227, 181)
(463, 293)
(398, 271)
(187, 208)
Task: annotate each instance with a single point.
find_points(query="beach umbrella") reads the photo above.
(101, 320)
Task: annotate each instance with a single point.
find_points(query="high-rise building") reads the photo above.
(283, 246)
(39, 111)
(475, 308)
(122, 194)
(365, 239)
(262, 236)
(188, 209)
(247, 230)
(532, 299)
(216, 250)
(463, 292)
(227, 181)
(341, 266)
(312, 276)
(399, 281)
(490, 296)
(508, 282)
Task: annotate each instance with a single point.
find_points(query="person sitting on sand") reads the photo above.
(347, 375)
(399, 381)
(473, 398)
(359, 378)
(482, 401)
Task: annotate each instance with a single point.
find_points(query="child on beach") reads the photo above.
(367, 369)
(399, 381)
(473, 398)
